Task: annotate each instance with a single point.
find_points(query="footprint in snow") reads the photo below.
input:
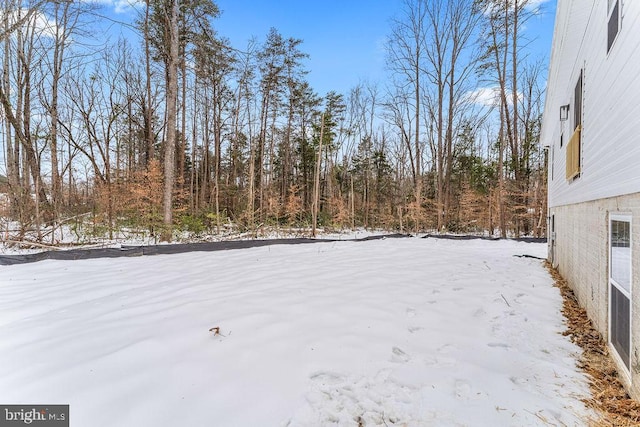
(344, 400)
(446, 349)
(518, 297)
(499, 345)
(440, 361)
(443, 359)
(328, 378)
(411, 312)
(479, 312)
(518, 381)
(399, 356)
(465, 392)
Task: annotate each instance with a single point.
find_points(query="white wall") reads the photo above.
(582, 257)
(610, 154)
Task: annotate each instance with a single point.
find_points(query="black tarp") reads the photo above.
(472, 237)
(178, 248)
(131, 251)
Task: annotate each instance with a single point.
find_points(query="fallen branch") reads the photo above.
(529, 256)
(505, 300)
(28, 243)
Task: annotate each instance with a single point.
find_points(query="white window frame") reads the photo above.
(623, 217)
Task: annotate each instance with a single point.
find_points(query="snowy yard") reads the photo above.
(409, 331)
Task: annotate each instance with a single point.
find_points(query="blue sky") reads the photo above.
(344, 38)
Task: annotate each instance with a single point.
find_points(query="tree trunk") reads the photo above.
(501, 206)
(316, 181)
(58, 56)
(170, 142)
(148, 119)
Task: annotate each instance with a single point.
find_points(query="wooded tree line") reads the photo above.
(175, 129)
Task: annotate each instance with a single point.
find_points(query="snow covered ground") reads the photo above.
(408, 331)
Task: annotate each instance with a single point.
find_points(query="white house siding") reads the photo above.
(609, 180)
(610, 154)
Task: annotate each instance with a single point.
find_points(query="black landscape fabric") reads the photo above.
(472, 237)
(131, 251)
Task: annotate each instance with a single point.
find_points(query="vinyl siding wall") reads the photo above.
(609, 180)
(610, 140)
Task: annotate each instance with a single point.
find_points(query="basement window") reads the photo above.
(620, 289)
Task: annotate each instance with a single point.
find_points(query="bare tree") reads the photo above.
(406, 55)
(171, 22)
(20, 64)
(66, 23)
(163, 34)
(503, 62)
(99, 102)
(316, 180)
(271, 60)
(450, 63)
